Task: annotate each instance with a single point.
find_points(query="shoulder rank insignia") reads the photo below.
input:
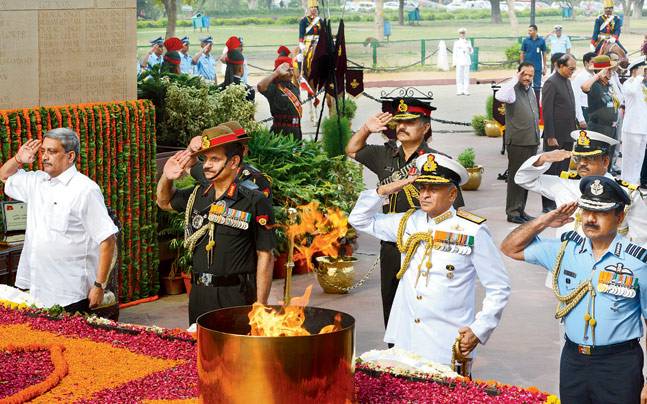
(623, 183)
(572, 236)
(637, 251)
(470, 216)
(569, 175)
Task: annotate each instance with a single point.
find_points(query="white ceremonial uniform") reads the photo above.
(562, 190)
(426, 315)
(634, 129)
(67, 219)
(462, 60)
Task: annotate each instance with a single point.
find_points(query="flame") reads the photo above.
(287, 322)
(318, 232)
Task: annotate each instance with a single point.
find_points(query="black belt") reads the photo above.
(602, 349)
(207, 279)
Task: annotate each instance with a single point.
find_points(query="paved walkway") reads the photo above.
(524, 350)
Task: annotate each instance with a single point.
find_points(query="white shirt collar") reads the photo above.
(66, 176)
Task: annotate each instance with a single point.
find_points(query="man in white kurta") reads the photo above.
(461, 58)
(634, 127)
(435, 301)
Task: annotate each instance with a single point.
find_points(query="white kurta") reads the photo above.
(562, 190)
(426, 315)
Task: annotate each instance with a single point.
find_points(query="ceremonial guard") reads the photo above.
(443, 251)
(391, 162)
(309, 28)
(154, 55)
(234, 73)
(600, 281)
(205, 63)
(283, 96)
(247, 173)
(591, 157)
(228, 225)
(606, 27)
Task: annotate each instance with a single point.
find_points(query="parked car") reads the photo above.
(365, 6)
(431, 5)
(590, 7)
(478, 5)
(456, 5)
(395, 5)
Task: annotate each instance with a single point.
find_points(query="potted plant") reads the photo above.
(466, 159)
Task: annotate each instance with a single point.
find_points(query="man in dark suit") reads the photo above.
(558, 107)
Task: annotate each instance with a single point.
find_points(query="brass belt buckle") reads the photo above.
(584, 349)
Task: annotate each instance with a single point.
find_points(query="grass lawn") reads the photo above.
(261, 41)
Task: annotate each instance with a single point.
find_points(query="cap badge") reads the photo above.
(430, 165)
(205, 142)
(596, 188)
(403, 107)
(583, 140)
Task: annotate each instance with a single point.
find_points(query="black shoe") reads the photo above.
(526, 217)
(516, 219)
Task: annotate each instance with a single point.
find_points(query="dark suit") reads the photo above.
(558, 108)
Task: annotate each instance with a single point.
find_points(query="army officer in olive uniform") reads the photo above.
(443, 252)
(227, 226)
(412, 122)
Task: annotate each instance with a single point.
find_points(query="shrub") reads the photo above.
(230, 105)
(478, 123)
(513, 53)
(467, 158)
(188, 112)
(336, 134)
(348, 108)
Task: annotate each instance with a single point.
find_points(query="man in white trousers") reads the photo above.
(634, 128)
(461, 58)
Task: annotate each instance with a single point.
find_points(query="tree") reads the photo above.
(626, 9)
(170, 8)
(512, 14)
(379, 19)
(496, 12)
(400, 13)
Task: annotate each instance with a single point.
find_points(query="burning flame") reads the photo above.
(287, 322)
(318, 232)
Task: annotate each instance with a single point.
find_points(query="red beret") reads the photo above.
(283, 51)
(282, 59)
(233, 43)
(173, 44)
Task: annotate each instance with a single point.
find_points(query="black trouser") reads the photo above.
(643, 172)
(82, 306)
(601, 379)
(515, 202)
(389, 267)
(207, 298)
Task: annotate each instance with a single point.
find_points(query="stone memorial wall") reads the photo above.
(55, 52)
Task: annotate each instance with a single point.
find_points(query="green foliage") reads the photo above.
(336, 134)
(488, 106)
(188, 112)
(302, 172)
(230, 105)
(348, 108)
(467, 158)
(513, 53)
(478, 123)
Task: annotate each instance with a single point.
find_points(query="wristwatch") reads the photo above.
(101, 286)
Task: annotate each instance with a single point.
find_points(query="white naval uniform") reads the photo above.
(634, 129)
(426, 316)
(563, 190)
(461, 58)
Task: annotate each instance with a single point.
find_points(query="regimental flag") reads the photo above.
(341, 62)
(323, 62)
(354, 82)
(498, 109)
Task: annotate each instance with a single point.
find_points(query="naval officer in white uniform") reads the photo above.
(443, 252)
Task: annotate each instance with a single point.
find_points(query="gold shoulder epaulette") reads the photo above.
(569, 175)
(623, 183)
(470, 216)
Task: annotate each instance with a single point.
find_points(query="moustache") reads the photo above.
(591, 226)
(403, 131)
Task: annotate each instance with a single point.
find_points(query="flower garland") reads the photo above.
(118, 152)
(57, 374)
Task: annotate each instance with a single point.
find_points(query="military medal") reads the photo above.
(618, 281)
(197, 221)
(453, 242)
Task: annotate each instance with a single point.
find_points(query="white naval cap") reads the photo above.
(435, 168)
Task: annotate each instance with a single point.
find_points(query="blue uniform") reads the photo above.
(186, 64)
(534, 53)
(206, 67)
(153, 60)
(606, 29)
(618, 318)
